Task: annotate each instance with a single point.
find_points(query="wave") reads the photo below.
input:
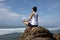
(20, 30)
(11, 30)
(54, 28)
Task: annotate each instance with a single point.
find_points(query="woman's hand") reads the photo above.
(25, 20)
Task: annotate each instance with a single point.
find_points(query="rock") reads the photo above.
(37, 33)
(57, 36)
(43, 38)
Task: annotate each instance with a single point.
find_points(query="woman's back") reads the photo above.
(34, 20)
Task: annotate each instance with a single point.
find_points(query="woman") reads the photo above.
(33, 18)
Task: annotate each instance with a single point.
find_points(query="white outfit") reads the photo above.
(34, 20)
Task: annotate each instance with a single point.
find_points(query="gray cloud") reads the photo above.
(2, 0)
(9, 18)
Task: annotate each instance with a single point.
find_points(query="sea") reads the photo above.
(14, 33)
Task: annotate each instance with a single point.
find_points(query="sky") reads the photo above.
(12, 12)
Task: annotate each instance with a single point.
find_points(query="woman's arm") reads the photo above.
(31, 16)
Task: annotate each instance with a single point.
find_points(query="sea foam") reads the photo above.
(11, 30)
(20, 30)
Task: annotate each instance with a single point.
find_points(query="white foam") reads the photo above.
(20, 30)
(11, 30)
(54, 28)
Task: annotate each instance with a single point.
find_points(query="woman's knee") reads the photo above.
(26, 23)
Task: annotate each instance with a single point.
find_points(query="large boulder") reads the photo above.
(57, 36)
(37, 33)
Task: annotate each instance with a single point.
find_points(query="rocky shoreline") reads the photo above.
(39, 33)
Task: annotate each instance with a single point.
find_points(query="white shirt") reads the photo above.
(34, 20)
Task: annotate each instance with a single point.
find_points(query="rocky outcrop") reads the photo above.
(57, 36)
(37, 33)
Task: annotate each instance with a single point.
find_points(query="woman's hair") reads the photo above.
(34, 9)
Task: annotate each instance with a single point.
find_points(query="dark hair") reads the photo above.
(34, 9)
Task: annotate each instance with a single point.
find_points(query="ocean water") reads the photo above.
(12, 36)
(4, 31)
(15, 33)
(11, 33)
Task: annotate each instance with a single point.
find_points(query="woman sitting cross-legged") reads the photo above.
(33, 18)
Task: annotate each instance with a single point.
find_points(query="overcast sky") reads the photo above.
(12, 12)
